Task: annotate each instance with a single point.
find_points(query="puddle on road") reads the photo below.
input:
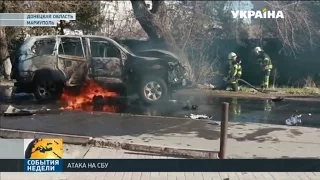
(241, 110)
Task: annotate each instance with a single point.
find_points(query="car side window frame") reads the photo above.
(106, 43)
(33, 50)
(60, 42)
(98, 48)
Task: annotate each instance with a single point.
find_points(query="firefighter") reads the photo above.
(235, 71)
(236, 107)
(266, 65)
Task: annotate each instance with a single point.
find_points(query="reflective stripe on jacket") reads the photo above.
(236, 70)
(265, 62)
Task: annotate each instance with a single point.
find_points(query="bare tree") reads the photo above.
(4, 54)
(120, 22)
(193, 25)
(158, 33)
(89, 19)
(297, 29)
(196, 25)
(206, 68)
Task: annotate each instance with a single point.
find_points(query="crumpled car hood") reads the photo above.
(147, 58)
(161, 51)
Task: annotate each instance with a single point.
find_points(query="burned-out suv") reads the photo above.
(47, 64)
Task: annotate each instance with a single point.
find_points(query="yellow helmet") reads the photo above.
(232, 56)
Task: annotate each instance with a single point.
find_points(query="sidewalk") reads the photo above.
(93, 152)
(245, 140)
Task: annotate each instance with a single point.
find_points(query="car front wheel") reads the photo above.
(47, 90)
(152, 90)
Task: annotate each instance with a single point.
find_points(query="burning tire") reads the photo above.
(152, 90)
(45, 89)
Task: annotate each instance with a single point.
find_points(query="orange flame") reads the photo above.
(84, 99)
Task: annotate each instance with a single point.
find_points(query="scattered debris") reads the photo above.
(212, 86)
(186, 107)
(196, 116)
(189, 106)
(194, 107)
(172, 100)
(12, 111)
(215, 123)
(44, 109)
(206, 86)
(294, 120)
(277, 99)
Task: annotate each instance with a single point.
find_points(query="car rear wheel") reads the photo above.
(46, 89)
(153, 90)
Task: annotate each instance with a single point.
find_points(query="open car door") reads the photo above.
(106, 62)
(72, 56)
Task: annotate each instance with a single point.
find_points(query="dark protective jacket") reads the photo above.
(265, 61)
(235, 69)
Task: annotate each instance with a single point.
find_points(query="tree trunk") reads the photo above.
(157, 32)
(3, 40)
(62, 26)
(4, 53)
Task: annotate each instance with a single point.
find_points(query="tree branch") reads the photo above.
(156, 4)
(145, 18)
(3, 7)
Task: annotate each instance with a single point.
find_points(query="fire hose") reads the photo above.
(253, 87)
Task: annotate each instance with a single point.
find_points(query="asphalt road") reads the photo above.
(241, 110)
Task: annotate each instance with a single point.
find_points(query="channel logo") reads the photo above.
(43, 148)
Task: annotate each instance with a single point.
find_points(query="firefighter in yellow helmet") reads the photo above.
(266, 65)
(235, 71)
(236, 107)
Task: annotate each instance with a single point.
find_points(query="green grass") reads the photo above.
(289, 90)
(300, 91)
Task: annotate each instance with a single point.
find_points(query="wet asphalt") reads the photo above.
(241, 110)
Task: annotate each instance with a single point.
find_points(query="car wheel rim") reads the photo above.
(152, 91)
(46, 89)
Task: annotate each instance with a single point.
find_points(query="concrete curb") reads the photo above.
(166, 151)
(86, 140)
(15, 134)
